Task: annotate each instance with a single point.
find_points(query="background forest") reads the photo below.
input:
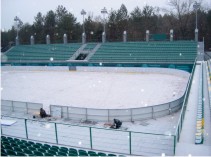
(180, 17)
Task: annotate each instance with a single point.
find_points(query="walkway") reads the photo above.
(186, 145)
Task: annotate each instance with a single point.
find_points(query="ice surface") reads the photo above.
(104, 90)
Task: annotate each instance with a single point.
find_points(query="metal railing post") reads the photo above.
(90, 133)
(56, 133)
(131, 115)
(26, 107)
(26, 128)
(152, 113)
(12, 107)
(130, 143)
(174, 144)
(67, 112)
(169, 108)
(108, 115)
(86, 114)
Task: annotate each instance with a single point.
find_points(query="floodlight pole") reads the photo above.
(83, 12)
(18, 24)
(196, 7)
(16, 19)
(104, 11)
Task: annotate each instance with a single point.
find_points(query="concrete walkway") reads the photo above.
(186, 145)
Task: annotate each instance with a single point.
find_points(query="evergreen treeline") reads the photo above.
(181, 18)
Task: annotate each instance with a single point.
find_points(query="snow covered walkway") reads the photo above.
(186, 144)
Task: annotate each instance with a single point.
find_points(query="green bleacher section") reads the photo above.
(42, 52)
(90, 46)
(146, 52)
(20, 147)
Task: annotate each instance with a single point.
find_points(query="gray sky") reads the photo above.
(26, 10)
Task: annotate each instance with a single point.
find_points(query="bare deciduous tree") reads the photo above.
(181, 10)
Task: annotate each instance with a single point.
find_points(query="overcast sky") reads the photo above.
(26, 10)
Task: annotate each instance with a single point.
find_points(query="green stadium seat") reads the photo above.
(39, 144)
(36, 153)
(82, 152)
(52, 152)
(3, 151)
(7, 146)
(20, 153)
(23, 141)
(41, 150)
(32, 148)
(47, 145)
(17, 149)
(61, 154)
(48, 154)
(3, 138)
(10, 152)
(28, 152)
(22, 146)
(3, 154)
(63, 148)
(101, 154)
(36, 146)
(5, 142)
(112, 155)
(14, 144)
(30, 142)
(17, 140)
(27, 144)
(10, 138)
(92, 153)
(73, 152)
(56, 147)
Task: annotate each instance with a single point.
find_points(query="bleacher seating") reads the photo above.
(208, 71)
(199, 137)
(19, 147)
(42, 52)
(90, 46)
(146, 52)
(114, 52)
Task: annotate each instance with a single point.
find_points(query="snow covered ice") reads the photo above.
(103, 90)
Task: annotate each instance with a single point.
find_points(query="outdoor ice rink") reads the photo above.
(104, 88)
(92, 89)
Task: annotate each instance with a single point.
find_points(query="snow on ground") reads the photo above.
(104, 90)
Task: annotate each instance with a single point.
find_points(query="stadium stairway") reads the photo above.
(86, 50)
(186, 145)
